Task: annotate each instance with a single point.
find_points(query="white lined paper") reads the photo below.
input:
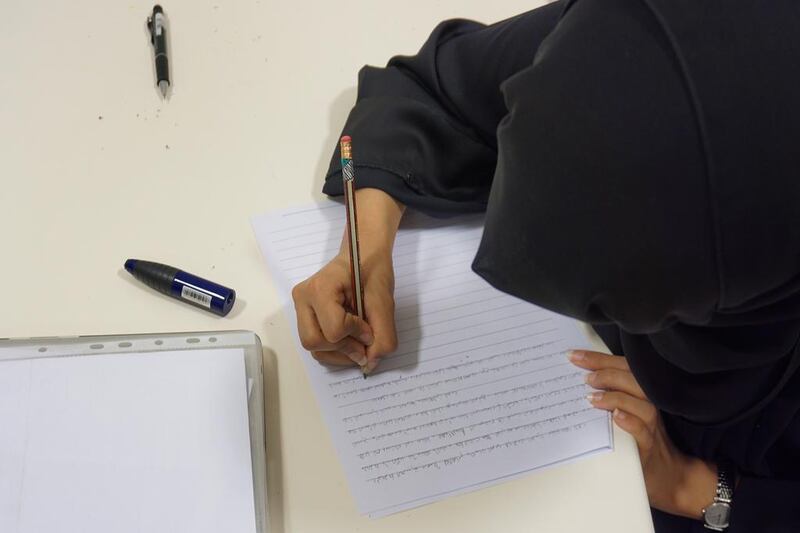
(479, 389)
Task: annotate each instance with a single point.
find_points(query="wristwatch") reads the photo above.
(717, 515)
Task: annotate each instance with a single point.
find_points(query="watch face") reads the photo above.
(718, 514)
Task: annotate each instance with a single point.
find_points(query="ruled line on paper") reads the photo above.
(462, 431)
(483, 451)
(443, 288)
(500, 406)
(480, 398)
(388, 396)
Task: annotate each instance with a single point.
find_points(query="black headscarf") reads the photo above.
(664, 203)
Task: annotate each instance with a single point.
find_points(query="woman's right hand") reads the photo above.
(323, 302)
(330, 331)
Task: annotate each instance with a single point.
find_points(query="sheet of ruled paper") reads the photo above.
(479, 389)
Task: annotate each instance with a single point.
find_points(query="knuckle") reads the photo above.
(602, 378)
(616, 374)
(316, 284)
(353, 324)
(309, 341)
(612, 399)
(591, 356)
(614, 378)
(348, 346)
(335, 332)
(297, 291)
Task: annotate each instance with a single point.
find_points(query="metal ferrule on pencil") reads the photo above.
(348, 175)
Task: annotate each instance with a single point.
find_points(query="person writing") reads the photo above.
(636, 161)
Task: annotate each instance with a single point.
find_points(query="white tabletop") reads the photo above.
(96, 169)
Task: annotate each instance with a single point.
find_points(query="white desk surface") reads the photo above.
(95, 168)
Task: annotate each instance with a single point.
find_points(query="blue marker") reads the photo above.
(183, 286)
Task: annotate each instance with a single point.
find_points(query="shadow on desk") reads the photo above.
(273, 440)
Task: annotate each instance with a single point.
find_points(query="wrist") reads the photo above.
(379, 218)
(697, 488)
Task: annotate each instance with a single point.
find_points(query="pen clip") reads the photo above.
(155, 24)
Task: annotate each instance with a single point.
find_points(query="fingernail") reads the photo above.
(366, 338)
(619, 414)
(589, 378)
(358, 358)
(594, 396)
(576, 356)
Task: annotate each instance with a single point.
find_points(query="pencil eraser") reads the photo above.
(345, 139)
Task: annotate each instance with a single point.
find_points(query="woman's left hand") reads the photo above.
(676, 483)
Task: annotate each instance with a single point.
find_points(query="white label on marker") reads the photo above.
(196, 296)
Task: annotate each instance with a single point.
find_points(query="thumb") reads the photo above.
(360, 329)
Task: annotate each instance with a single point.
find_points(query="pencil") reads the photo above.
(348, 179)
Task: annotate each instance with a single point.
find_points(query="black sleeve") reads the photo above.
(759, 506)
(766, 506)
(423, 127)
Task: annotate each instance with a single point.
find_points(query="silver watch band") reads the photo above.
(725, 482)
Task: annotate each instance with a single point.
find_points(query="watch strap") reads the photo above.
(726, 480)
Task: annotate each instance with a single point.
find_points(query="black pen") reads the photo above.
(157, 24)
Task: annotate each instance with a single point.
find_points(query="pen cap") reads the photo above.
(203, 293)
(183, 286)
